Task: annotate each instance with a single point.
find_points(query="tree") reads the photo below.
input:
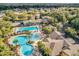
(5, 27)
(30, 42)
(28, 34)
(40, 44)
(47, 51)
(71, 32)
(0, 33)
(47, 30)
(43, 49)
(15, 41)
(54, 21)
(21, 16)
(6, 18)
(10, 15)
(6, 51)
(1, 41)
(75, 23)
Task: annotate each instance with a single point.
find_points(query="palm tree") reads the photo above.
(0, 33)
(28, 34)
(5, 27)
(6, 51)
(15, 41)
(30, 42)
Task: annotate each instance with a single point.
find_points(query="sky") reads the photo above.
(39, 1)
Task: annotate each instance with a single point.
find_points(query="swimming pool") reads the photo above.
(26, 49)
(28, 28)
(23, 39)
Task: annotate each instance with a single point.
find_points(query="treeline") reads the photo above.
(39, 5)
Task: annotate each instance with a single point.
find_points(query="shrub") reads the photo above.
(43, 49)
(47, 30)
(75, 23)
(30, 42)
(71, 32)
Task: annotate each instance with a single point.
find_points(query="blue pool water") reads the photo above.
(26, 49)
(21, 39)
(35, 36)
(28, 28)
